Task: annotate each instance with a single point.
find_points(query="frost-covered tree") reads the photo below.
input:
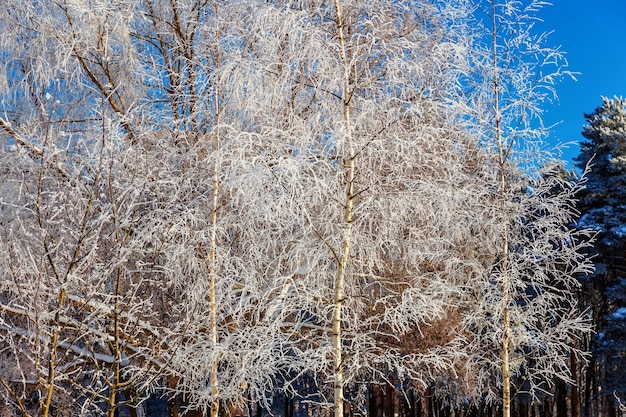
(527, 317)
(362, 164)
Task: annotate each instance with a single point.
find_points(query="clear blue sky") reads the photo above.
(593, 33)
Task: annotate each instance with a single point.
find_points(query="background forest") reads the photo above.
(247, 207)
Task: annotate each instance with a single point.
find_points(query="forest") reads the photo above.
(238, 208)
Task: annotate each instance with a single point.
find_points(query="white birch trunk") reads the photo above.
(505, 366)
(345, 252)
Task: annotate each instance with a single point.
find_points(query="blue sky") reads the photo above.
(593, 34)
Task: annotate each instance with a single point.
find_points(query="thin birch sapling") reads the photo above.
(529, 306)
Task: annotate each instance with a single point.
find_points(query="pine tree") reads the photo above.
(603, 202)
(603, 208)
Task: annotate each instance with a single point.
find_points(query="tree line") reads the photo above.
(321, 208)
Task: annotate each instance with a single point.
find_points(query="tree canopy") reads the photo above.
(219, 202)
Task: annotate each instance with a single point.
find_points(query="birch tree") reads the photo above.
(364, 178)
(529, 309)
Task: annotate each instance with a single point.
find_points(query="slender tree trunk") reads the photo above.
(52, 359)
(575, 397)
(506, 367)
(430, 410)
(506, 319)
(113, 389)
(590, 377)
(348, 211)
(45, 411)
(347, 409)
(215, 406)
(417, 404)
(411, 404)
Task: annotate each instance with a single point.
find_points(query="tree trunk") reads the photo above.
(590, 384)
(377, 403)
(340, 279)
(389, 401)
(288, 406)
(575, 397)
(505, 367)
(560, 399)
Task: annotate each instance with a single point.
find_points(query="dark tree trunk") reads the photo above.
(288, 406)
(561, 399)
(377, 402)
(389, 401)
(590, 384)
(521, 409)
(575, 397)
